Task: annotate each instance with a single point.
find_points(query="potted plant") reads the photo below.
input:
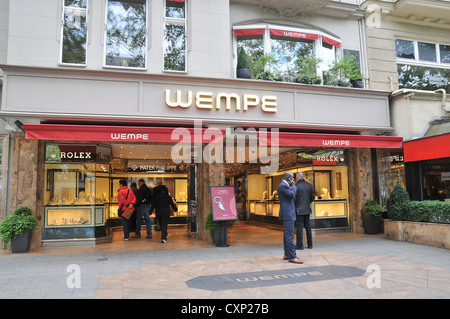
(219, 230)
(307, 70)
(17, 228)
(372, 217)
(243, 66)
(353, 73)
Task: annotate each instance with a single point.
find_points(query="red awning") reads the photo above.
(60, 132)
(331, 41)
(427, 148)
(100, 133)
(249, 31)
(294, 34)
(331, 140)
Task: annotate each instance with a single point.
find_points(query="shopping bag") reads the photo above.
(128, 212)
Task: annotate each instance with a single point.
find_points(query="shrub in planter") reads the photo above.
(372, 217)
(429, 212)
(397, 203)
(243, 65)
(17, 229)
(219, 229)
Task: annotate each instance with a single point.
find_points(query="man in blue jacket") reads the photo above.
(286, 194)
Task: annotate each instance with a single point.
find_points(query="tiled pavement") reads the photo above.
(339, 266)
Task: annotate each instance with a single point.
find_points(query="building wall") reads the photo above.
(34, 35)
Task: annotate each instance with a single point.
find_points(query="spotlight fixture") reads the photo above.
(19, 125)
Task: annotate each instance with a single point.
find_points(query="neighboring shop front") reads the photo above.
(78, 146)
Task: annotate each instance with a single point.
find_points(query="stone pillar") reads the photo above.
(26, 182)
(208, 175)
(361, 181)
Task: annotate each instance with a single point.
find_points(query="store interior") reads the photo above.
(83, 193)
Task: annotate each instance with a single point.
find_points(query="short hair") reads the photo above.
(141, 180)
(123, 182)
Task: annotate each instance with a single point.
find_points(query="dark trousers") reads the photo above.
(288, 239)
(303, 220)
(163, 219)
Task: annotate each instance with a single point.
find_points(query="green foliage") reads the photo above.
(23, 210)
(429, 212)
(20, 222)
(396, 204)
(399, 207)
(210, 224)
(372, 207)
(343, 70)
(242, 62)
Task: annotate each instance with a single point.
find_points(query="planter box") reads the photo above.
(371, 224)
(21, 244)
(431, 234)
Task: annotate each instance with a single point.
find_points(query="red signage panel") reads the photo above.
(223, 203)
(427, 148)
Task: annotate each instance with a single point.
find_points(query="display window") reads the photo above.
(325, 170)
(82, 181)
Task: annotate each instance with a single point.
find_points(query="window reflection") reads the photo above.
(74, 32)
(126, 33)
(174, 48)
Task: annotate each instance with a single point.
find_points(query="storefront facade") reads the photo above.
(92, 118)
(409, 54)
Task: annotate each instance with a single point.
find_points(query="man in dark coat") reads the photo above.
(303, 198)
(144, 199)
(286, 193)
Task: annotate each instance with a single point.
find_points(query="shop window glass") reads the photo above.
(74, 32)
(287, 51)
(445, 53)
(253, 46)
(175, 36)
(126, 33)
(404, 49)
(427, 51)
(422, 78)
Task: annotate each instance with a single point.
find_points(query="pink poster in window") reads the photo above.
(223, 203)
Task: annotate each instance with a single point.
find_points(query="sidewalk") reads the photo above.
(339, 266)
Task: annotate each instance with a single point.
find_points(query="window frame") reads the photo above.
(176, 21)
(63, 11)
(337, 50)
(145, 68)
(417, 61)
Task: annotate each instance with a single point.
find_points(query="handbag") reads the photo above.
(128, 210)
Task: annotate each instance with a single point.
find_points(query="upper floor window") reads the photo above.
(422, 51)
(74, 32)
(126, 33)
(422, 65)
(286, 53)
(175, 35)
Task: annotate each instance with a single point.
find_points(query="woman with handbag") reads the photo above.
(161, 202)
(126, 199)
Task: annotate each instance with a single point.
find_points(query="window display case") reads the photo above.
(329, 209)
(74, 216)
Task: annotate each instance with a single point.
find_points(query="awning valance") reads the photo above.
(100, 133)
(60, 132)
(331, 41)
(427, 148)
(332, 140)
(294, 34)
(252, 31)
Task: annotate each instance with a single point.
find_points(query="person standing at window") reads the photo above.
(144, 198)
(125, 199)
(161, 203)
(303, 199)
